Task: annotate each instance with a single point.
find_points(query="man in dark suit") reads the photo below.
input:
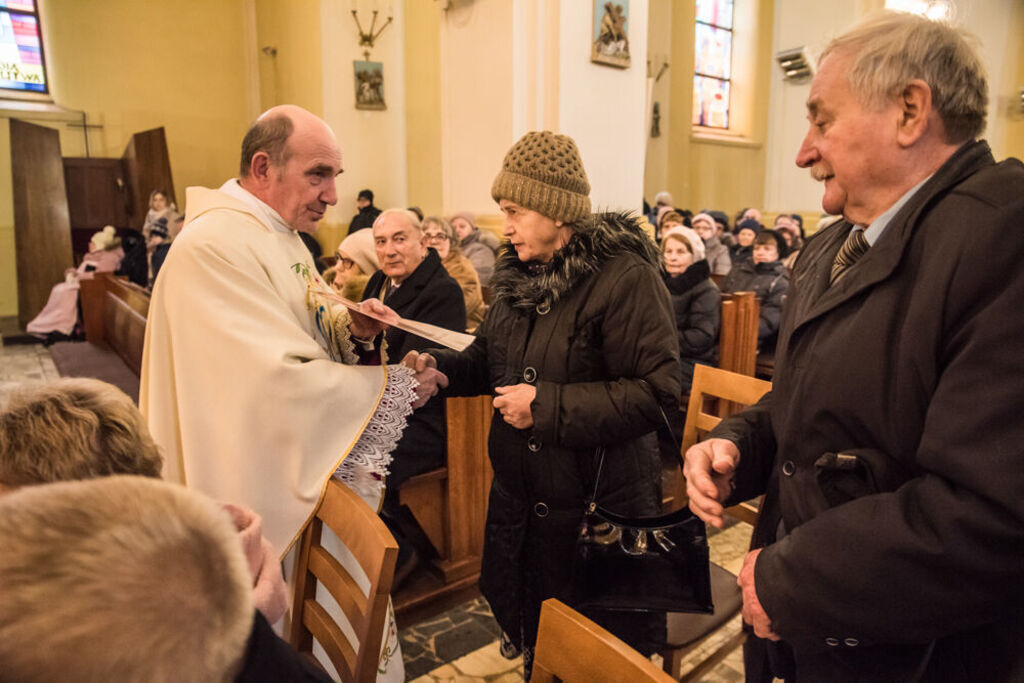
(413, 282)
(889, 544)
(367, 212)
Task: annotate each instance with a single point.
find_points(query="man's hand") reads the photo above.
(418, 362)
(709, 469)
(366, 328)
(753, 612)
(513, 403)
(431, 381)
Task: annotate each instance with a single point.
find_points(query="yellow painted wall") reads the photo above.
(423, 105)
(132, 66)
(704, 171)
(295, 74)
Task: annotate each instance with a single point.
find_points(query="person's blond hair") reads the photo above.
(890, 49)
(73, 428)
(120, 579)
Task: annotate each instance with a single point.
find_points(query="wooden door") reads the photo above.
(97, 196)
(148, 167)
(42, 228)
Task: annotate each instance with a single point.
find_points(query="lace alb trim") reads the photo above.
(367, 464)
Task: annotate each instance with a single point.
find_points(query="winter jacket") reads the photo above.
(718, 256)
(593, 331)
(697, 304)
(769, 282)
(364, 219)
(905, 560)
(480, 252)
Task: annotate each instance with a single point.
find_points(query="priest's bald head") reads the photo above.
(290, 159)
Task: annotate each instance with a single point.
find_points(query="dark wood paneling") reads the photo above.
(147, 167)
(42, 227)
(96, 192)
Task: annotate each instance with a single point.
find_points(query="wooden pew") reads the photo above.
(114, 313)
(737, 345)
(450, 504)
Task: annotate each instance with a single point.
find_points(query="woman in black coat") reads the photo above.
(696, 302)
(767, 277)
(580, 350)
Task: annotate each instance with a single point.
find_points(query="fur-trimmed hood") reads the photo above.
(594, 241)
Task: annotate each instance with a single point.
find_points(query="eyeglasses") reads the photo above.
(345, 262)
(435, 236)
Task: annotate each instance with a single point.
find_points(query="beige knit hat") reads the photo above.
(543, 172)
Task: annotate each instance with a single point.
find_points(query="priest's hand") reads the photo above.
(418, 362)
(365, 328)
(753, 612)
(513, 402)
(431, 381)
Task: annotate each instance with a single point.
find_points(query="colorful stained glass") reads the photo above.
(27, 5)
(713, 51)
(710, 102)
(716, 12)
(21, 60)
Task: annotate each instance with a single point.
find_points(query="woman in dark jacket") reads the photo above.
(767, 277)
(580, 351)
(696, 301)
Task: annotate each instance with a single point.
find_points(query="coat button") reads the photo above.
(788, 468)
(530, 374)
(851, 642)
(543, 308)
(832, 642)
(540, 509)
(533, 443)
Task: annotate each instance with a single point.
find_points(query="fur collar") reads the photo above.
(595, 241)
(680, 284)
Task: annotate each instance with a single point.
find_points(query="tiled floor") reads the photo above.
(460, 645)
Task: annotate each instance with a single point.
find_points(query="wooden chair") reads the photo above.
(737, 338)
(687, 631)
(572, 648)
(374, 549)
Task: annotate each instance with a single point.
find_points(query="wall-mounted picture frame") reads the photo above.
(369, 79)
(611, 33)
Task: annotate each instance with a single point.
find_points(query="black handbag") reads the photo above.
(641, 564)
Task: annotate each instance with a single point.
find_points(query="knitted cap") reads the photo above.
(543, 172)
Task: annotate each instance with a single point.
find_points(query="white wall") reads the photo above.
(372, 142)
(602, 107)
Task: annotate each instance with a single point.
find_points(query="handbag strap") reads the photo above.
(599, 456)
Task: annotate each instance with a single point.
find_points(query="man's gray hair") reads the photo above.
(413, 219)
(267, 134)
(890, 49)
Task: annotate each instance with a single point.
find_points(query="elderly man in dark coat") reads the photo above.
(413, 282)
(890, 544)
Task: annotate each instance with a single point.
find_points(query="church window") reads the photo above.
(22, 64)
(712, 80)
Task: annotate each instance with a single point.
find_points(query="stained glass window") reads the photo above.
(713, 63)
(22, 66)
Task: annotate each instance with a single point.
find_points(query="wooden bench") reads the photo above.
(114, 313)
(737, 339)
(450, 504)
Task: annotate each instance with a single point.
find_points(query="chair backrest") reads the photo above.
(715, 395)
(733, 392)
(375, 550)
(737, 339)
(572, 648)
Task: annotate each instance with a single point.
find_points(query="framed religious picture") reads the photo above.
(611, 33)
(369, 78)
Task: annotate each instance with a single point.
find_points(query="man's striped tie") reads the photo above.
(855, 246)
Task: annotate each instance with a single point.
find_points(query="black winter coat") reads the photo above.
(909, 555)
(593, 331)
(697, 304)
(431, 296)
(769, 282)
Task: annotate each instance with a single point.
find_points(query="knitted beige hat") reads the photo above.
(544, 172)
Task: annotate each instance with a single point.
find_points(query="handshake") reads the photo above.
(431, 380)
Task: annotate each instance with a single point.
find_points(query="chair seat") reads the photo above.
(685, 629)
